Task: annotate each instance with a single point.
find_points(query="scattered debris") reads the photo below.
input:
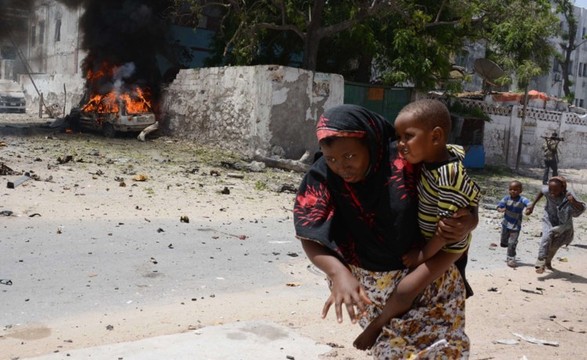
(488, 206)
(20, 180)
(236, 176)
(286, 164)
(5, 170)
(538, 291)
(288, 188)
(53, 110)
(64, 160)
(147, 130)
(536, 341)
(553, 317)
(506, 342)
(231, 165)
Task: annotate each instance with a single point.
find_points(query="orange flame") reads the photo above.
(131, 101)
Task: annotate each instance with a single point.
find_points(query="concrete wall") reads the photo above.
(266, 107)
(501, 136)
(57, 89)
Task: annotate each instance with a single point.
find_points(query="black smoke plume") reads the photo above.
(126, 34)
(120, 33)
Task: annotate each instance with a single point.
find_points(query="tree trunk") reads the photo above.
(311, 46)
(313, 36)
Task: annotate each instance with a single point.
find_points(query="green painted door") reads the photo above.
(387, 101)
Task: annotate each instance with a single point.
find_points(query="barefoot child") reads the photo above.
(444, 187)
(557, 223)
(512, 207)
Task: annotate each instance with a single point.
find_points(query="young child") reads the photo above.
(557, 223)
(512, 207)
(444, 187)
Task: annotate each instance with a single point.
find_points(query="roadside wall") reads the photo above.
(269, 108)
(57, 89)
(501, 135)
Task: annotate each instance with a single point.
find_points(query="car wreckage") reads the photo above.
(113, 113)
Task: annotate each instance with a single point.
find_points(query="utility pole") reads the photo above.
(522, 127)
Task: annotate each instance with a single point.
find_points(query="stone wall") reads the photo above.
(266, 107)
(57, 89)
(501, 135)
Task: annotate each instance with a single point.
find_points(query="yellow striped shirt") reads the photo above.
(443, 189)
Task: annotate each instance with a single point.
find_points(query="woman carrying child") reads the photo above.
(356, 215)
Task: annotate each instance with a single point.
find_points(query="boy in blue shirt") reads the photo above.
(512, 206)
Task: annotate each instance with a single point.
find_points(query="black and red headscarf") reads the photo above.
(369, 224)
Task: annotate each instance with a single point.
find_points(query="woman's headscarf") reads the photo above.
(371, 223)
(357, 122)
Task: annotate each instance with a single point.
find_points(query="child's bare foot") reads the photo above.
(366, 339)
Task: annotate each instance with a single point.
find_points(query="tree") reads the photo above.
(519, 39)
(409, 41)
(520, 43)
(569, 35)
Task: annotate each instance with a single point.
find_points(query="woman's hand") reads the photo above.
(459, 225)
(346, 290)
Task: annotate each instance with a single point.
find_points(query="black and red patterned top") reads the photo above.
(369, 224)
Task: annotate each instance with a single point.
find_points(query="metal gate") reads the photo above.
(387, 101)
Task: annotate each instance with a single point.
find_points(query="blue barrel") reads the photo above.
(474, 156)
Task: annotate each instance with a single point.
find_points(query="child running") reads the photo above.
(444, 187)
(512, 207)
(561, 207)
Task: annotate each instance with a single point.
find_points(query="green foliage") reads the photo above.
(457, 107)
(260, 185)
(520, 38)
(409, 41)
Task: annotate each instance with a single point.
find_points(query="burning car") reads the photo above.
(113, 112)
(12, 97)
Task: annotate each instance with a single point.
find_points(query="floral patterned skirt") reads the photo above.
(434, 328)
